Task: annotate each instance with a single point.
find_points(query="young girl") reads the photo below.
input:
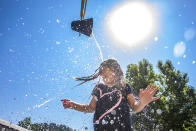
(112, 99)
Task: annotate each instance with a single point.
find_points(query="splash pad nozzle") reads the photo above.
(83, 26)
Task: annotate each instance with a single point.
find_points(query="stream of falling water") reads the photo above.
(98, 46)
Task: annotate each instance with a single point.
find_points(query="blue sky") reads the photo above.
(39, 54)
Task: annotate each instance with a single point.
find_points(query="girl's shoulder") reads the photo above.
(128, 88)
(96, 90)
(100, 85)
(128, 85)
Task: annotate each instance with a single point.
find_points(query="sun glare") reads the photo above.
(132, 23)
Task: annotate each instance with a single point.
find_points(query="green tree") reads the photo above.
(139, 77)
(26, 123)
(178, 99)
(37, 127)
(176, 110)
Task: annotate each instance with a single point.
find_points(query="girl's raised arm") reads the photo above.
(145, 97)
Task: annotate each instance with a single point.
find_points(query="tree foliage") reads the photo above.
(178, 99)
(176, 110)
(26, 123)
(139, 77)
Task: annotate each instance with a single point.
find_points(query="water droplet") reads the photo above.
(156, 38)
(97, 122)
(110, 98)
(103, 122)
(58, 21)
(112, 122)
(58, 42)
(179, 49)
(113, 112)
(122, 124)
(159, 111)
(11, 50)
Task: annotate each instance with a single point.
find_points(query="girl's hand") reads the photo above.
(146, 96)
(66, 103)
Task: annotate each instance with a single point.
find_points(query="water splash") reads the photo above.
(40, 105)
(47, 101)
(100, 51)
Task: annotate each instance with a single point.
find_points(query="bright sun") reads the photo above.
(131, 23)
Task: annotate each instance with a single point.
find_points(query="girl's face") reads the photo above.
(108, 76)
